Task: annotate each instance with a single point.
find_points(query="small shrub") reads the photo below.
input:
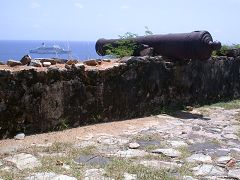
(122, 48)
(125, 46)
(225, 50)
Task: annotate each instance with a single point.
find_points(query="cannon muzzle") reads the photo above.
(181, 46)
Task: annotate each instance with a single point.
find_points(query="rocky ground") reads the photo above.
(42, 64)
(202, 143)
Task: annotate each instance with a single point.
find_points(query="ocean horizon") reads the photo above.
(16, 49)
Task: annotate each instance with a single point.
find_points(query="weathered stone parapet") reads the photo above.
(38, 101)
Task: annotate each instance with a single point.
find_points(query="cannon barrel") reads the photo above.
(181, 46)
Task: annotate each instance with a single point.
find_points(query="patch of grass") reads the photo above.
(8, 175)
(150, 148)
(54, 163)
(204, 111)
(88, 150)
(234, 104)
(146, 137)
(58, 147)
(185, 169)
(184, 152)
(215, 141)
(119, 166)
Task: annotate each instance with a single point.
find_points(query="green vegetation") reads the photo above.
(235, 104)
(147, 31)
(125, 46)
(53, 163)
(118, 167)
(225, 49)
(184, 152)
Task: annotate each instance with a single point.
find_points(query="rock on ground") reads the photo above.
(92, 174)
(36, 63)
(13, 63)
(133, 145)
(199, 158)
(25, 60)
(46, 64)
(188, 178)
(127, 176)
(235, 173)
(19, 136)
(208, 170)
(160, 164)
(49, 176)
(23, 161)
(223, 159)
(129, 153)
(168, 152)
(176, 144)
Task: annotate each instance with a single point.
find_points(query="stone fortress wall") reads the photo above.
(33, 101)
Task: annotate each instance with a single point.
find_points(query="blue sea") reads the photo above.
(81, 50)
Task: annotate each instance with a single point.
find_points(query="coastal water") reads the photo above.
(81, 50)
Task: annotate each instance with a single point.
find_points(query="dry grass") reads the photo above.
(52, 163)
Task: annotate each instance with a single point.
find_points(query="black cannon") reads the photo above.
(182, 46)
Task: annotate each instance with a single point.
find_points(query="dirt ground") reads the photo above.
(75, 134)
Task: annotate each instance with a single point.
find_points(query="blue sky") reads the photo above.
(93, 19)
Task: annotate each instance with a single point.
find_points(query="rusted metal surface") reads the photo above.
(182, 46)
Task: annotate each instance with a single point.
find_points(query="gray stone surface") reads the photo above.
(98, 174)
(176, 144)
(36, 63)
(46, 64)
(110, 140)
(43, 154)
(220, 152)
(230, 136)
(84, 144)
(23, 161)
(49, 176)
(208, 170)
(92, 160)
(19, 136)
(65, 166)
(160, 164)
(6, 169)
(133, 145)
(203, 147)
(168, 152)
(129, 153)
(199, 158)
(145, 143)
(234, 173)
(13, 63)
(127, 176)
(223, 159)
(188, 178)
(42, 145)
